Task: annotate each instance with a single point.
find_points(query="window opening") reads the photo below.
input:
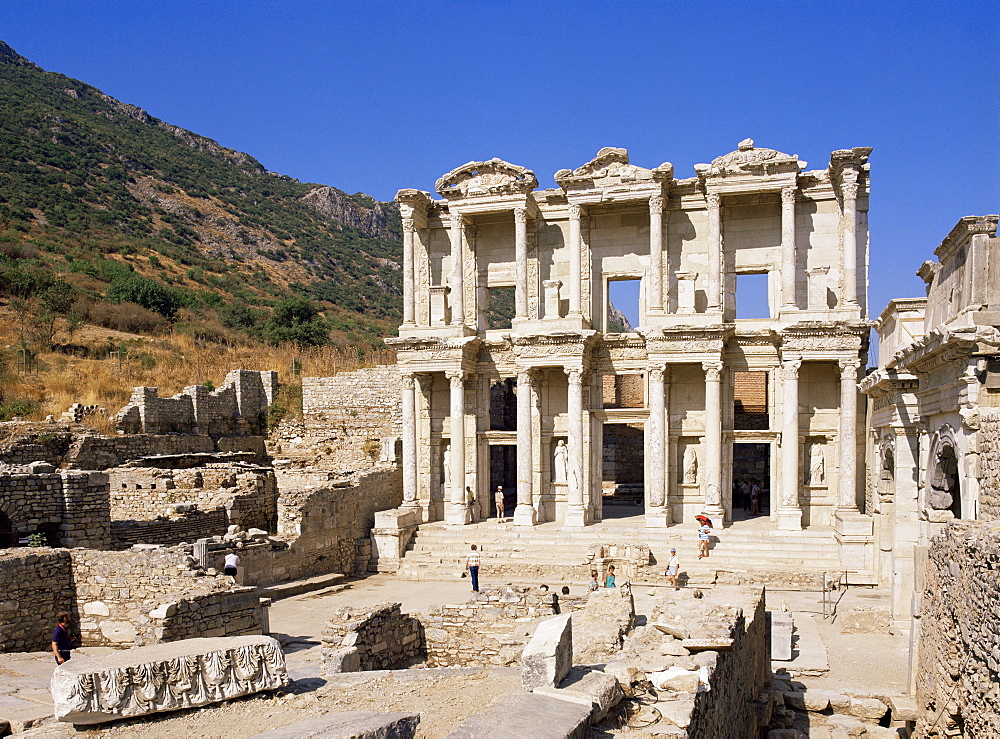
(503, 405)
(500, 309)
(752, 296)
(623, 305)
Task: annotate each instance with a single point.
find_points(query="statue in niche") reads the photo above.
(560, 462)
(690, 466)
(447, 465)
(817, 465)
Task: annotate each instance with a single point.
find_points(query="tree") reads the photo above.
(297, 321)
(148, 293)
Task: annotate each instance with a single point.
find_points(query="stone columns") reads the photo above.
(713, 439)
(657, 510)
(409, 429)
(788, 249)
(714, 251)
(456, 290)
(789, 512)
(521, 258)
(576, 511)
(575, 257)
(849, 231)
(654, 295)
(524, 514)
(409, 230)
(847, 495)
(457, 511)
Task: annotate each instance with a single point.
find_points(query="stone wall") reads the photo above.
(35, 586)
(989, 466)
(384, 637)
(238, 407)
(70, 507)
(150, 595)
(186, 527)
(959, 659)
(351, 412)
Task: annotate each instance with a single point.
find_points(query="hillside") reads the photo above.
(105, 208)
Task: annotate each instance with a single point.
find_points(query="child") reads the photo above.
(594, 584)
(609, 581)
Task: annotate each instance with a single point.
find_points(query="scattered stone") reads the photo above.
(846, 725)
(549, 654)
(345, 659)
(587, 687)
(671, 646)
(676, 630)
(781, 635)
(677, 710)
(528, 715)
(870, 708)
(677, 679)
(352, 724)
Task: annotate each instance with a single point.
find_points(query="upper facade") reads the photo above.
(491, 232)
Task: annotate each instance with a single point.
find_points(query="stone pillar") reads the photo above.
(524, 514)
(789, 512)
(576, 512)
(657, 510)
(521, 258)
(685, 292)
(713, 439)
(788, 249)
(455, 280)
(714, 252)
(551, 293)
(817, 287)
(654, 295)
(575, 257)
(409, 230)
(847, 491)
(409, 429)
(457, 512)
(849, 231)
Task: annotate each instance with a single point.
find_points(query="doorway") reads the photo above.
(751, 468)
(6, 532)
(622, 470)
(503, 472)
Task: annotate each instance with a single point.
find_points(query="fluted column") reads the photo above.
(458, 512)
(409, 429)
(409, 230)
(654, 295)
(456, 292)
(576, 511)
(849, 191)
(847, 496)
(521, 259)
(575, 257)
(788, 248)
(714, 251)
(789, 512)
(657, 512)
(713, 439)
(524, 514)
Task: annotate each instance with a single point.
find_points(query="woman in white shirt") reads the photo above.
(232, 564)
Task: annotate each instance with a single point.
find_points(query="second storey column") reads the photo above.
(714, 251)
(521, 260)
(575, 259)
(654, 295)
(788, 257)
(409, 231)
(849, 226)
(456, 287)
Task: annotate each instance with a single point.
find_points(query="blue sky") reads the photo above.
(375, 96)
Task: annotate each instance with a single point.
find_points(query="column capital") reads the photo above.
(849, 368)
(575, 211)
(656, 204)
(849, 190)
(657, 372)
(520, 215)
(456, 377)
(575, 375)
(409, 224)
(713, 370)
(790, 368)
(457, 220)
(409, 380)
(714, 200)
(788, 194)
(526, 376)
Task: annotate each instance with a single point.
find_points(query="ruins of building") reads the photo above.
(696, 396)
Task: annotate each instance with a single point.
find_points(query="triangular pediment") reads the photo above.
(495, 177)
(750, 160)
(610, 168)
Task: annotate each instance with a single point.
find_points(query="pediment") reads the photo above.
(495, 177)
(610, 168)
(751, 160)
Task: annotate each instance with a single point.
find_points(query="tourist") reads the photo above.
(673, 567)
(565, 590)
(500, 504)
(470, 500)
(232, 564)
(745, 494)
(609, 581)
(595, 584)
(61, 644)
(703, 532)
(472, 567)
(755, 499)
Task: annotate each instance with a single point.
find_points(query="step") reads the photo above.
(290, 588)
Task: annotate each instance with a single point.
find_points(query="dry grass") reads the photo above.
(171, 363)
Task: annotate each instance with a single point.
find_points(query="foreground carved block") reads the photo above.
(165, 677)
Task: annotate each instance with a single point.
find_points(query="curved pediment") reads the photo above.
(610, 167)
(750, 160)
(495, 177)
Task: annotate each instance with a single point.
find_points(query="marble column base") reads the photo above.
(658, 518)
(790, 519)
(715, 512)
(576, 516)
(457, 515)
(524, 515)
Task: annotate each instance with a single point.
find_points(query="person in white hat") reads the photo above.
(673, 568)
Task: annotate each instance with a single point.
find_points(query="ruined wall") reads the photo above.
(35, 586)
(22, 443)
(147, 596)
(989, 466)
(187, 527)
(327, 523)
(71, 507)
(350, 410)
(959, 657)
(384, 637)
(238, 407)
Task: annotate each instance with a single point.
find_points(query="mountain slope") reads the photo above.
(92, 188)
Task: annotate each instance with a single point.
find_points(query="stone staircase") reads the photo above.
(749, 551)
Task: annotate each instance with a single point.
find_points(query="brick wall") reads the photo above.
(959, 647)
(186, 528)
